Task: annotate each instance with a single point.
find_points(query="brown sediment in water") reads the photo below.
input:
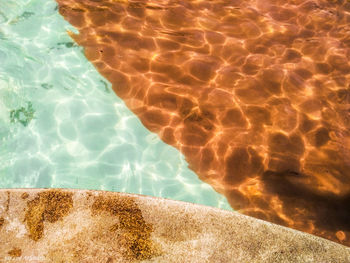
(49, 206)
(254, 93)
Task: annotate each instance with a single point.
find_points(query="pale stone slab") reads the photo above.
(64, 225)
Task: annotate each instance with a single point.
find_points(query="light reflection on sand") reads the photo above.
(254, 93)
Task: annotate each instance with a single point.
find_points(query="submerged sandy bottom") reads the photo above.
(254, 93)
(56, 225)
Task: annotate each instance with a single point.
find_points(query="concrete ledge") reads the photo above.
(65, 225)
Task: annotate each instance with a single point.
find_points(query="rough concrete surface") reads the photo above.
(65, 225)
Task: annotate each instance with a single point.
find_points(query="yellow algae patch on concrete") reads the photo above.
(15, 252)
(2, 221)
(47, 206)
(136, 233)
(24, 195)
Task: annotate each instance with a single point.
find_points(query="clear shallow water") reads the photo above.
(62, 126)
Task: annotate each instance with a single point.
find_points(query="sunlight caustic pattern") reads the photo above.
(61, 125)
(254, 93)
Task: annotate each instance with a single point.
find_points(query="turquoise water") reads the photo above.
(61, 125)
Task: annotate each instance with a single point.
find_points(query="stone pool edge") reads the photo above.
(74, 225)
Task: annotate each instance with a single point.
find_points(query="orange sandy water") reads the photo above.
(255, 94)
